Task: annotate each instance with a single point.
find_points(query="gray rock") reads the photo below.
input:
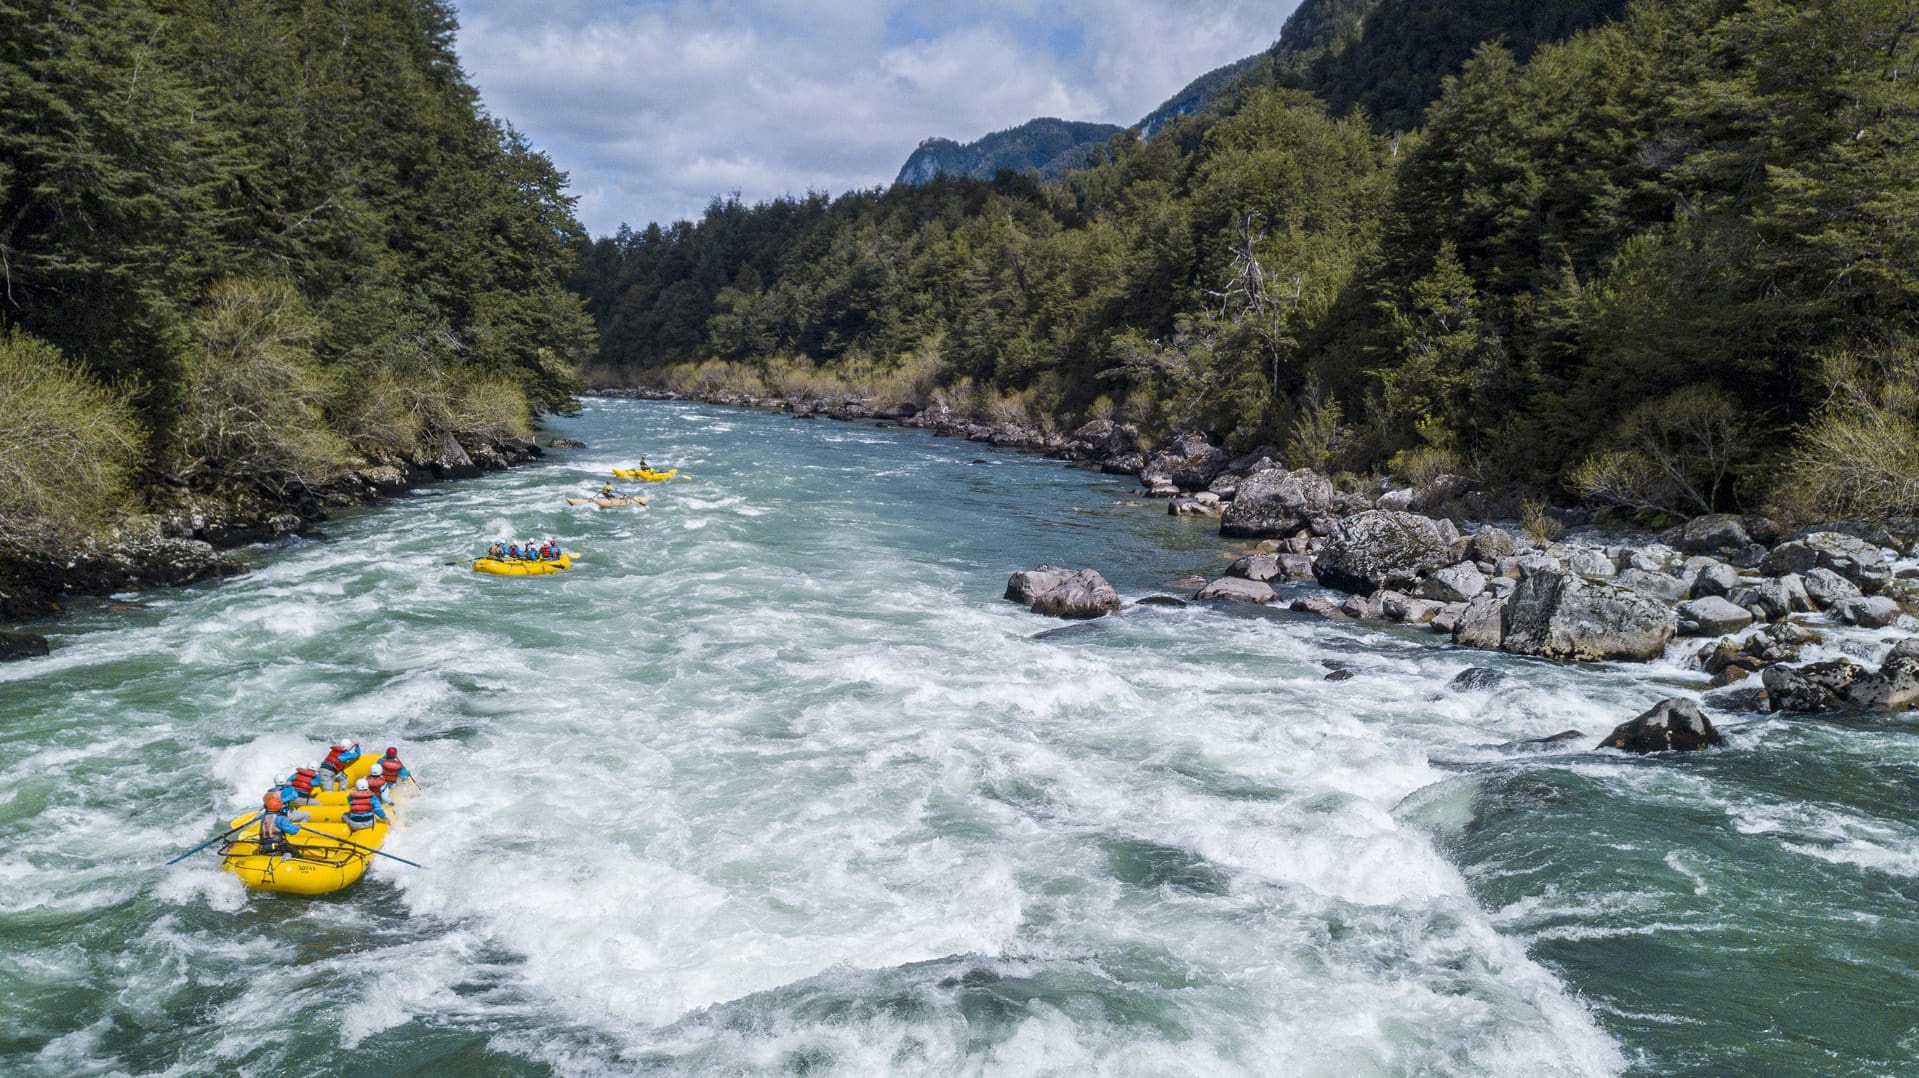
(1908, 647)
(1475, 679)
(1674, 725)
(1103, 439)
(1187, 505)
(1161, 600)
(15, 646)
(1490, 544)
(1321, 605)
(1397, 500)
(1826, 587)
(1721, 534)
(1255, 567)
(1063, 593)
(1189, 463)
(1446, 618)
(1741, 700)
(1482, 624)
(1277, 503)
(1558, 615)
(1867, 611)
(1774, 599)
(1658, 585)
(1826, 686)
(1588, 562)
(1717, 578)
(1651, 558)
(1407, 609)
(1853, 558)
(1711, 616)
(1360, 607)
(1453, 584)
(1382, 549)
(1234, 589)
(1296, 567)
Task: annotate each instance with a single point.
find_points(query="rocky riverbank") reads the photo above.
(1739, 599)
(181, 537)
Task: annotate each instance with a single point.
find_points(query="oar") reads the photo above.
(214, 839)
(370, 849)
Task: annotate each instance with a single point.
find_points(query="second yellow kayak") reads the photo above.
(647, 474)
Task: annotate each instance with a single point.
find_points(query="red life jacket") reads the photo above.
(390, 767)
(359, 803)
(303, 780)
(332, 761)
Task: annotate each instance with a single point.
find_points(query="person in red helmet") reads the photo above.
(391, 769)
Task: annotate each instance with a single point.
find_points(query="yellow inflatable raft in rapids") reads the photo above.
(610, 503)
(325, 857)
(647, 474)
(522, 566)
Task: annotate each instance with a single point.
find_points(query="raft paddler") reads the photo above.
(277, 821)
(297, 788)
(333, 768)
(390, 768)
(606, 490)
(362, 808)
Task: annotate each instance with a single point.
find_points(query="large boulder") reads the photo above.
(1189, 463)
(1103, 439)
(1851, 557)
(1255, 567)
(1712, 616)
(1063, 593)
(1670, 726)
(1828, 588)
(1383, 549)
(1714, 578)
(1558, 615)
(1827, 686)
(21, 646)
(1489, 544)
(1276, 503)
(1235, 589)
(1722, 535)
(1453, 584)
(1867, 611)
(1482, 624)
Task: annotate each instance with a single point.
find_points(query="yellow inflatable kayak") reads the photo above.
(320, 862)
(647, 474)
(610, 503)
(521, 566)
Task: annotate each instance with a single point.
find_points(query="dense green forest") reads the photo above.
(1669, 262)
(246, 247)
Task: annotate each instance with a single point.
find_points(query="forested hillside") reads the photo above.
(247, 247)
(1666, 264)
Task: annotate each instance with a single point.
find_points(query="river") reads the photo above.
(774, 781)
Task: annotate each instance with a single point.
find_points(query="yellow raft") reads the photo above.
(647, 474)
(522, 566)
(325, 858)
(610, 503)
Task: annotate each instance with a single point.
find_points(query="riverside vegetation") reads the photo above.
(259, 260)
(1654, 259)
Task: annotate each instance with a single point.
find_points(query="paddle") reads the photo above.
(370, 849)
(214, 839)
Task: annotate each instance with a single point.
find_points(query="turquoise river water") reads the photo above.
(776, 782)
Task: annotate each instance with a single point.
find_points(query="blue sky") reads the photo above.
(656, 106)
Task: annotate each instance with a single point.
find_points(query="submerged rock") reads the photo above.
(1063, 593)
(1475, 679)
(1674, 725)
(15, 646)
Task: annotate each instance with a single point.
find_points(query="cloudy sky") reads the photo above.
(654, 106)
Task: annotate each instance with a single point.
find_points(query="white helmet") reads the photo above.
(360, 785)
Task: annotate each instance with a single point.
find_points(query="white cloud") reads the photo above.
(655, 107)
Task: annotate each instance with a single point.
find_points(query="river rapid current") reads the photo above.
(774, 781)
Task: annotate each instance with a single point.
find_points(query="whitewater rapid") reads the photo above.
(774, 781)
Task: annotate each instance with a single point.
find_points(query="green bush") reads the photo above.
(68, 444)
(1860, 454)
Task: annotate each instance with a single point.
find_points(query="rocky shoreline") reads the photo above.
(180, 539)
(1753, 594)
